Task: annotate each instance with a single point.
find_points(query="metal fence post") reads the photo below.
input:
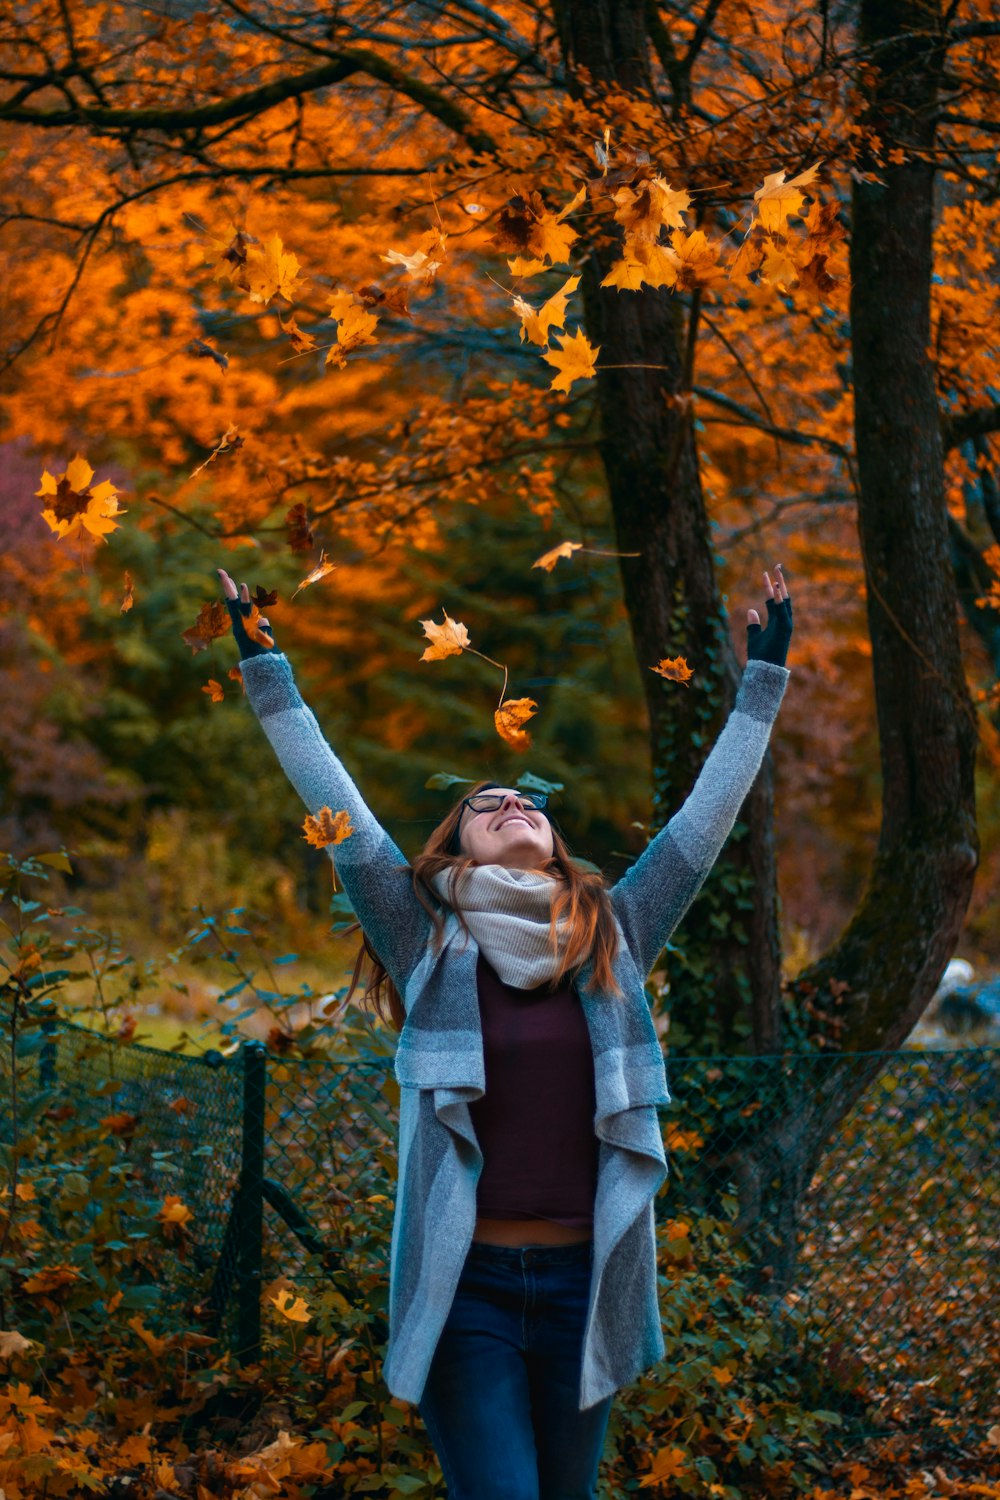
(250, 1231)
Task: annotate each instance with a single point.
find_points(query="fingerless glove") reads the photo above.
(238, 611)
(771, 643)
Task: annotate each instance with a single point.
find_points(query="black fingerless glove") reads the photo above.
(771, 643)
(238, 611)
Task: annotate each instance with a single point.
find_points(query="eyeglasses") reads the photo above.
(490, 801)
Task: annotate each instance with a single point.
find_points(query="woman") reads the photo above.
(522, 1282)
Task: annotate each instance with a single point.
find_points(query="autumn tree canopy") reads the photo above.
(330, 285)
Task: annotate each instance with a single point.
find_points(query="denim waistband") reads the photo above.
(549, 1255)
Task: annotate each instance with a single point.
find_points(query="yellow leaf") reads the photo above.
(270, 271)
(302, 340)
(778, 268)
(420, 263)
(548, 560)
(523, 265)
(698, 260)
(509, 718)
(449, 639)
(321, 569)
(675, 669)
(327, 827)
(778, 199)
(153, 1344)
(552, 314)
(573, 361)
(174, 1211)
(626, 274)
(295, 1310)
(651, 206)
(355, 327)
(12, 1343)
(75, 507)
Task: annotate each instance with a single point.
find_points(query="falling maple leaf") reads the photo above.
(552, 314)
(355, 326)
(270, 271)
(296, 1311)
(509, 718)
(449, 639)
(525, 224)
(420, 263)
(651, 206)
(214, 690)
(644, 262)
(128, 598)
(212, 622)
(237, 676)
(327, 827)
(321, 570)
(300, 536)
(777, 200)
(228, 443)
(697, 260)
(573, 361)
(301, 340)
(74, 507)
(548, 560)
(674, 669)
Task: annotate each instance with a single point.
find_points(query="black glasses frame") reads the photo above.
(541, 805)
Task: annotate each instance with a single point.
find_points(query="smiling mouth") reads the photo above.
(516, 819)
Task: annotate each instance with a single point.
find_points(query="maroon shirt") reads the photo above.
(535, 1122)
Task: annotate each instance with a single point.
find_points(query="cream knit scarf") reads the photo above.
(508, 913)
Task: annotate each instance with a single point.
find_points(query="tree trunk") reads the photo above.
(871, 987)
(725, 978)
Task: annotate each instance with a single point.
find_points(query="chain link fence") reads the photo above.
(878, 1258)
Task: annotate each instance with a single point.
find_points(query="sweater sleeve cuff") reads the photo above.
(761, 690)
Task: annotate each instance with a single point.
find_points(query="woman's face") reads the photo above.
(513, 835)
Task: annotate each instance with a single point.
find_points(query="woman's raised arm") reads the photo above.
(373, 869)
(654, 893)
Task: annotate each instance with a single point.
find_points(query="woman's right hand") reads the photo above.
(239, 606)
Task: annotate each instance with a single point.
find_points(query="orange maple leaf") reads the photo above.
(449, 639)
(549, 559)
(212, 622)
(355, 326)
(327, 827)
(643, 261)
(174, 1210)
(777, 200)
(651, 206)
(74, 507)
(509, 718)
(420, 264)
(155, 1345)
(674, 669)
(321, 569)
(302, 341)
(552, 314)
(128, 598)
(214, 690)
(573, 361)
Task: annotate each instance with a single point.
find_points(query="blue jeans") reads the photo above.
(501, 1403)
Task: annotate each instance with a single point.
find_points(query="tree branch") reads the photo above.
(969, 424)
(749, 418)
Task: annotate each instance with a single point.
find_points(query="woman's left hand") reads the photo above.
(771, 644)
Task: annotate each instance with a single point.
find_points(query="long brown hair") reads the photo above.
(582, 897)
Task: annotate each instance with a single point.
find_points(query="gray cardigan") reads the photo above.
(439, 1056)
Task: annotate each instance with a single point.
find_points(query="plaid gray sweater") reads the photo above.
(439, 1056)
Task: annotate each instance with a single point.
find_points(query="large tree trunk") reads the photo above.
(889, 959)
(867, 992)
(726, 979)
